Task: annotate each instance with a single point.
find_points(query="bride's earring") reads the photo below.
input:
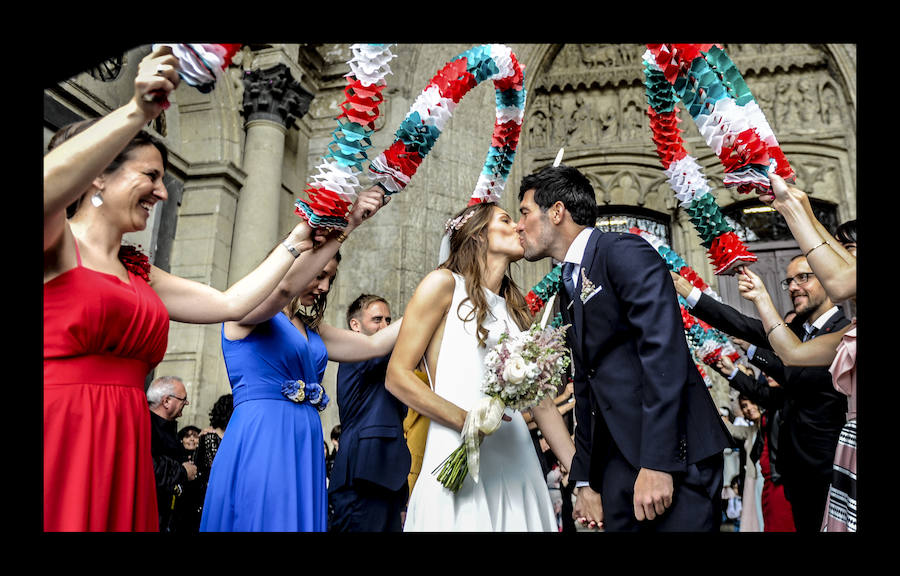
(97, 199)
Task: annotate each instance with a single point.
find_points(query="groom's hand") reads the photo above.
(588, 508)
(652, 493)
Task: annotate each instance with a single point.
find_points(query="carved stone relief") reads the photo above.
(589, 98)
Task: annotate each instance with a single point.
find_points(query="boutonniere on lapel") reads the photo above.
(587, 288)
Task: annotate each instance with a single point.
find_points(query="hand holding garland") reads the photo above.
(198, 303)
(70, 168)
(307, 266)
(819, 351)
(834, 267)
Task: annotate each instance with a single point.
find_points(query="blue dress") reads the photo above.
(269, 472)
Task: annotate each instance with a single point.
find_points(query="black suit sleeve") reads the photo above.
(758, 390)
(769, 362)
(728, 320)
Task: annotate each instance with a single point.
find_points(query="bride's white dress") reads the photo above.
(511, 494)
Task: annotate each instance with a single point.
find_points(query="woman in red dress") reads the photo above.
(107, 310)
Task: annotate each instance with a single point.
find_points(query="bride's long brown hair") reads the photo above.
(468, 257)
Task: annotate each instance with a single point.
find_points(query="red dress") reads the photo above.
(776, 509)
(102, 337)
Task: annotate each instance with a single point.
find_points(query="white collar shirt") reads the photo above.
(575, 254)
(820, 321)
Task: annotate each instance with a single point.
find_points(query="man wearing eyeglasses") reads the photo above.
(167, 398)
(813, 411)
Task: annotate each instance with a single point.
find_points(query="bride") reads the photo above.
(455, 316)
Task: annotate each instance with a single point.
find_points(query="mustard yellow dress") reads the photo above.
(415, 428)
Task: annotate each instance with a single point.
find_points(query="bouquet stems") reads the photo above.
(453, 469)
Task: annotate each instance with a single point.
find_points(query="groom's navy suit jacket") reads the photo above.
(633, 368)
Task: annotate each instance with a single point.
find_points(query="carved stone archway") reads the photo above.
(589, 98)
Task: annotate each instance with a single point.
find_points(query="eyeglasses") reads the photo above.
(800, 279)
(185, 400)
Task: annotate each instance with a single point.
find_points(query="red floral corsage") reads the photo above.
(135, 261)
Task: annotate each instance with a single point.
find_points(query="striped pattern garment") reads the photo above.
(840, 512)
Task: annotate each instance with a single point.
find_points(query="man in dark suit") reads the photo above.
(813, 412)
(649, 440)
(167, 397)
(368, 487)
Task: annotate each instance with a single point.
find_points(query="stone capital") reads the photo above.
(273, 94)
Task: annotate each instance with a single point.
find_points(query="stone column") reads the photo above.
(273, 101)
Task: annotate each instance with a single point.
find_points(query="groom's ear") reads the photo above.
(557, 212)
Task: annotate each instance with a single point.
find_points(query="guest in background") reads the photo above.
(172, 468)
(208, 444)
(368, 489)
(813, 412)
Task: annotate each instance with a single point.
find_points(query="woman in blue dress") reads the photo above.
(269, 472)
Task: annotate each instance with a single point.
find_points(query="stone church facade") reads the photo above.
(241, 154)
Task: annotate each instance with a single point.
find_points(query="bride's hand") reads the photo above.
(588, 508)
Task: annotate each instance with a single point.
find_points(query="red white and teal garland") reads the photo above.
(432, 109)
(540, 295)
(711, 88)
(201, 65)
(333, 190)
(706, 343)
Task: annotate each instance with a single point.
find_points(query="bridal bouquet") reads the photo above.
(518, 372)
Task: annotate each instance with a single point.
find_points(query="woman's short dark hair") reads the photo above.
(564, 184)
(221, 411)
(846, 232)
(184, 431)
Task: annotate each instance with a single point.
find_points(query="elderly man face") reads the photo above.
(174, 403)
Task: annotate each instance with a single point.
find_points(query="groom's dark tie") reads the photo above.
(567, 279)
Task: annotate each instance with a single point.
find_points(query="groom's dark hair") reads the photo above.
(567, 185)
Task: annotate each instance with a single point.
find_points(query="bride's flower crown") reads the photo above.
(454, 224)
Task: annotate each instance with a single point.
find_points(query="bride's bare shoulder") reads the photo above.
(436, 285)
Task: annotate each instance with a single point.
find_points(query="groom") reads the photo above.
(649, 439)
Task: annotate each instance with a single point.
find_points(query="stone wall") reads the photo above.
(587, 98)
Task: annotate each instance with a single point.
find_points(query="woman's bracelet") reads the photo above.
(814, 247)
(772, 329)
(291, 249)
(342, 236)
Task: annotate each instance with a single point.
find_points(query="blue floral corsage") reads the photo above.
(311, 392)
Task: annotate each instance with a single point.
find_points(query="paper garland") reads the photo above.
(333, 189)
(429, 114)
(724, 110)
(665, 69)
(706, 343)
(714, 93)
(541, 293)
(201, 65)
